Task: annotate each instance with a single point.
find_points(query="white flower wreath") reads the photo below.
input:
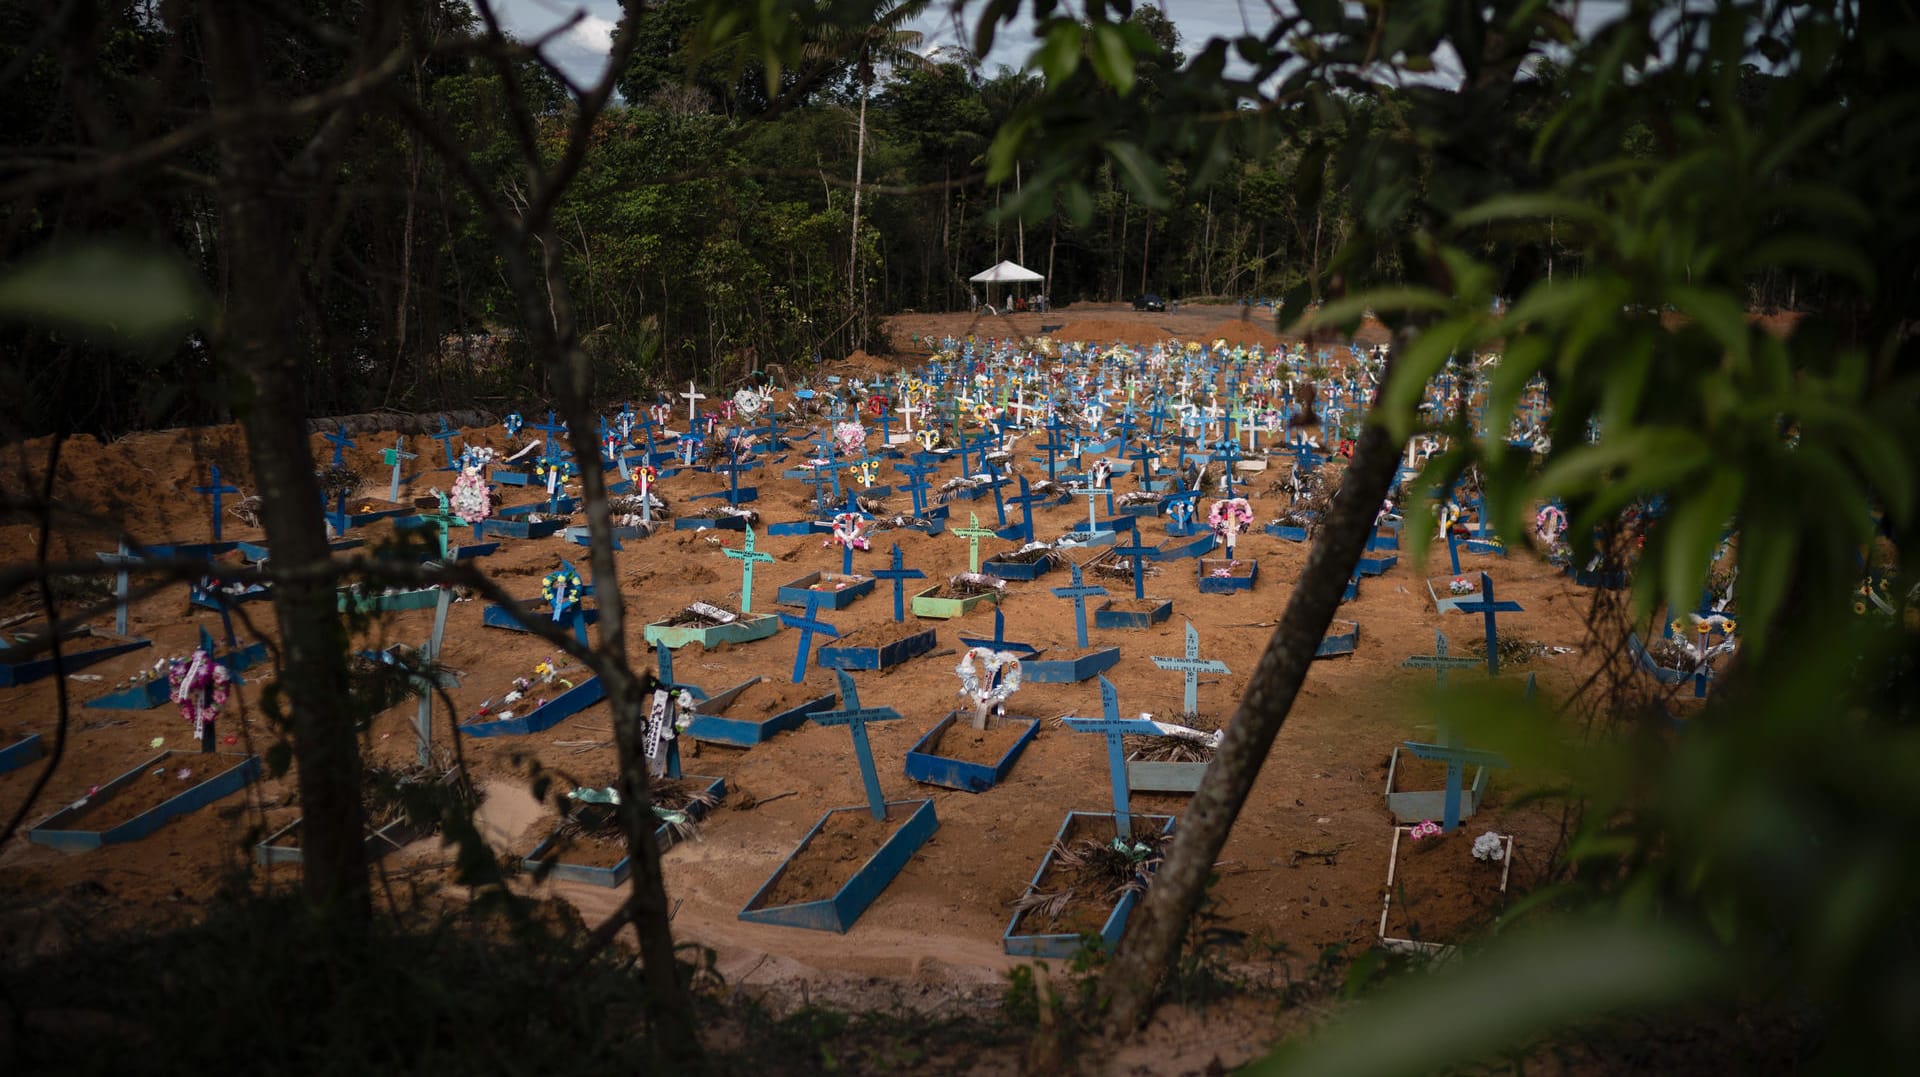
(1004, 663)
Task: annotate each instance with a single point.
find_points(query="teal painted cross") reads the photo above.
(216, 488)
(431, 678)
(900, 575)
(973, 533)
(808, 623)
(1438, 661)
(855, 717)
(1191, 667)
(1486, 606)
(398, 457)
(747, 557)
(1079, 592)
(1114, 727)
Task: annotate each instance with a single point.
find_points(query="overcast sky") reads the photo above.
(582, 52)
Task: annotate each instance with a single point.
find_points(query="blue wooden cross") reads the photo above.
(1114, 728)
(855, 717)
(900, 576)
(1191, 667)
(1000, 642)
(995, 482)
(1144, 454)
(1138, 552)
(445, 436)
(1486, 606)
(120, 559)
(554, 461)
(808, 623)
(747, 557)
(1079, 592)
(341, 443)
(1438, 661)
(733, 467)
(1054, 446)
(916, 484)
(1453, 550)
(1456, 758)
(564, 607)
(216, 488)
(1090, 492)
(1181, 508)
(821, 478)
(1027, 500)
(551, 427)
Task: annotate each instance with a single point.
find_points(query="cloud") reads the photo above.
(592, 33)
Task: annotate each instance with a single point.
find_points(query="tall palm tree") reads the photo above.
(886, 41)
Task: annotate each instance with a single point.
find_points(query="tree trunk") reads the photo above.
(859, 173)
(668, 1005)
(254, 341)
(1153, 938)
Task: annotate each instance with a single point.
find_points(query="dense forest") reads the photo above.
(709, 232)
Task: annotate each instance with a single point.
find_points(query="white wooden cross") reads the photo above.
(693, 397)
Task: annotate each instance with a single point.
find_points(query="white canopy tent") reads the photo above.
(1005, 273)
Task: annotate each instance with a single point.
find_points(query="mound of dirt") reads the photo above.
(1109, 331)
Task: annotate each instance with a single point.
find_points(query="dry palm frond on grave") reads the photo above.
(954, 487)
(872, 506)
(675, 803)
(1099, 871)
(246, 510)
(1113, 565)
(1513, 648)
(1138, 497)
(420, 791)
(629, 505)
(969, 584)
(1033, 553)
(702, 615)
(1174, 747)
(338, 480)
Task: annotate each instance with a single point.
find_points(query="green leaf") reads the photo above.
(1058, 57)
(1521, 985)
(1720, 315)
(1511, 207)
(106, 289)
(1809, 251)
(1349, 310)
(1112, 60)
(1692, 533)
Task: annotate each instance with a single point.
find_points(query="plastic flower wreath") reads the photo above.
(1460, 585)
(561, 590)
(849, 532)
(1003, 679)
(850, 437)
(1229, 518)
(200, 686)
(1423, 830)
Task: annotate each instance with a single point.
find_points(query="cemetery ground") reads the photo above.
(1303, 873)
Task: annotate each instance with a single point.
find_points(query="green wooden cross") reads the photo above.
(973, 533)
(747, 557)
